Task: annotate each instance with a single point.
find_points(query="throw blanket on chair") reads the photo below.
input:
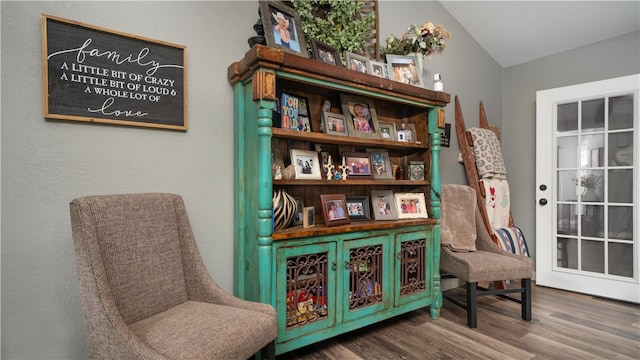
(488, 154)
(512, 240)
(497, 203)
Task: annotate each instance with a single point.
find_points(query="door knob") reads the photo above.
(543, 201)
(543, 187)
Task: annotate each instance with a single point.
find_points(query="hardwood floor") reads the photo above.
(565, 325)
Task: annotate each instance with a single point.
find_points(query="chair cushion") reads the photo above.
(485, 266)
(197, 330)
(458, 230)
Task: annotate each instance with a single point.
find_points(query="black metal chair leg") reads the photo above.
(526, 300)
(472, 304)
(268, 352)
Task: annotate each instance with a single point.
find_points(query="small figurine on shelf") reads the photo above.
(329, 167)
(344, 168)
(437, 82)
(278, 174)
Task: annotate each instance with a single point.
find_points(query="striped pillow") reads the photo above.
(512, 240)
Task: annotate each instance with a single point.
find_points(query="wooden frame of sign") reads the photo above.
(99, 75)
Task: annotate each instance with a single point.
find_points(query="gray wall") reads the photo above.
(47, 163)
(618, 56)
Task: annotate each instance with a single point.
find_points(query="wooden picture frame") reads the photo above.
(411, 206)
(276, 156)
(120, 92)
(378, 68)
(335, 124)
(278, 19)
(361, 115)
(325, 53)
(358, 208)
(294, 112)
(334, 209)
(355, 62)
(381, 164)
(383, 205)
(359, 164)
(306, 164)
(388, 131)
(405, 69)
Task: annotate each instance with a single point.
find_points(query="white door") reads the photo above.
(587, 163)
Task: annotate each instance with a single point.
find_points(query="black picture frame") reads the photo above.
(358, 208)
(325, 53)
(274, 13)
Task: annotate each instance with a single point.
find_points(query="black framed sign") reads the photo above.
(99, 75)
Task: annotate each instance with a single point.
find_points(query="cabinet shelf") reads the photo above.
(323, 138)
(350, 182)
(318, 229)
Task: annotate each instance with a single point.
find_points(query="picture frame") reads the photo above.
(298, 217)
(325, 151)
(306, 164)
(362, 119)
(325, 53)
(308, 217)
(334, 209)
(276, 156)
(381, 164)
(378, 68)
(355, 62)
(388, 131)
(404, 69)
(278, 18)
(358, 208)
(359, 164)
(411, 206)
(334, 124)
(383, 205)
(406, 133)
(294, 111)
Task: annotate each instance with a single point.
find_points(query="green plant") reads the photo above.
(335, 22)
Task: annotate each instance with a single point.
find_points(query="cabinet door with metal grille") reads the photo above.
(366, 280)
(305, 283)
(410, 266)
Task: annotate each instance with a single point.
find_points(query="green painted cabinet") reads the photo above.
(325, 281)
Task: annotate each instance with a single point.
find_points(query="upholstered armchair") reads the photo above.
(145, 291)
(469, 253)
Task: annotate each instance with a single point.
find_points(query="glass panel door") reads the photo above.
(585, 236)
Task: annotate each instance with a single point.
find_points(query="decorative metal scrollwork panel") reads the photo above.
(412, 273)
(365, 276)
(306, 284)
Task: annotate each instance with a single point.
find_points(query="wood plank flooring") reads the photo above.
(565, 325)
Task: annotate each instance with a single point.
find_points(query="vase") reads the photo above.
(590, 195)
(284, 209)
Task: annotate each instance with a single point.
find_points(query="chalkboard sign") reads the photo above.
(99, 75)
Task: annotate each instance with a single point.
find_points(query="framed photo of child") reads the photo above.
(282, 27)
(361, 115)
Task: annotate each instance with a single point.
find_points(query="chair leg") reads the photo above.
(268, 351)
(526, 300)
(472, 304)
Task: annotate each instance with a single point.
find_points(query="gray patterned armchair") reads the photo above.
(145, 291)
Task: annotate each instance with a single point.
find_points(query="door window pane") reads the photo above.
(593, 256)
(593, 221)
(568, 117)
(567, 219)
(621, 259)
(568, 186)
(568, 152)
(568, 253)
(621, 186)
(621, 149)
(621, 112)
(593, 115)
(621, 222)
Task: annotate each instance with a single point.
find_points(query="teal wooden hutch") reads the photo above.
(325, 281)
